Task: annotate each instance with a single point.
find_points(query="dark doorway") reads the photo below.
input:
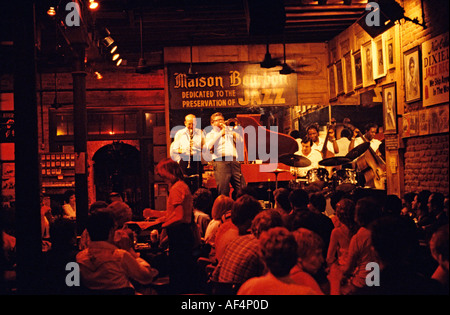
(117, 168)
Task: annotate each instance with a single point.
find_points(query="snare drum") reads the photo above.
(317, 175)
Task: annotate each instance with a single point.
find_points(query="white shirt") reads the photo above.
(374, 143)
(224, 146)
(318, 147)
(182, 148)
(314, 156)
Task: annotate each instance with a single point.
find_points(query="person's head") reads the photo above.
(439, 246)
(97, 205)
(306, 146)
(278, 250)
(169, 170)
(115, 196)
(436, 202)
(371, 131)
(394, 239)
(245, 209)
(317, 202)
(392, 205)
(299, 199)
(69, 197)
(202, 200)
(63, 235)
(217, 119)
(313, 132)
(345, 211)
(190, 122)
(120, 212)
(309, 250)
(366, 211)
(100, 226)
(281, 197)
(420, 203)
(221, 205)
(266, 220)
(346, 133)
(295, 134)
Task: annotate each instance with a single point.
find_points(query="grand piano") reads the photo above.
(251, 169)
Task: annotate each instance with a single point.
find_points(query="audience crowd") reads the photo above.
(307, 243)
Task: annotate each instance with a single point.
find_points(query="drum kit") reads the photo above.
(344, 179)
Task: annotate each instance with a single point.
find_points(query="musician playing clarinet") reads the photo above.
(186, 149)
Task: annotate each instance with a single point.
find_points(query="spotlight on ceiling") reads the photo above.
(93, 5)
(98, 75)
(115, 57)
(51, 11)
(119, 62)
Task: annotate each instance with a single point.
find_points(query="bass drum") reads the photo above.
(347, 176)
(346, 180)
(317, 175)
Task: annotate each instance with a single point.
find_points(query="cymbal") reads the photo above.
(294, 160)
(334, 161)
(279, 170)
(358, 151)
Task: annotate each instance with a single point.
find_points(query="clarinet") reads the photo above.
(191, 137)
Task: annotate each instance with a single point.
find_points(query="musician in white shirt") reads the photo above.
(313, 155)
(313, 133)
(369, 135)
(186, 149)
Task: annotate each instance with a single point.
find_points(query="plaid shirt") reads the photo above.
(241, 261)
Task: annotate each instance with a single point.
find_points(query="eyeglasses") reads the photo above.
(218, 119)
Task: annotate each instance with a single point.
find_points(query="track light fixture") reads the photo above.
(93, 5)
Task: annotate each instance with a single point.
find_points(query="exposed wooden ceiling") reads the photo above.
(200, 22)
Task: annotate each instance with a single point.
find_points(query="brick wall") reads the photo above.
(426, 157)
(426, 164)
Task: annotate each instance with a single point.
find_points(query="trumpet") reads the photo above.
(232, 122)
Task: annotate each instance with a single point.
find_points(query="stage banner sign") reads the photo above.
(435, 70)
(229, 85)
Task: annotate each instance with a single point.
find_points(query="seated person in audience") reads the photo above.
(407, 201)
(439, 250)
(310, 258)
(63, 250)
(279, 253)
(221, 205)
(282, 204)
(244, 211)
(241, 259)
(394, 240)
(103, 266)
(70, 205)
(340, 240)
(202, 202)
(360, 251)
(437, 212)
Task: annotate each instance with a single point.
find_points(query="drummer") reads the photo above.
(313, 155)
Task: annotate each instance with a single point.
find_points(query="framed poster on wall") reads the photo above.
(411, 59)
(390, 108)
(357, 69)
(348, 72)
(367, 64)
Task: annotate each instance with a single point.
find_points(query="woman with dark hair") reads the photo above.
(179, 225)
(69, 207)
